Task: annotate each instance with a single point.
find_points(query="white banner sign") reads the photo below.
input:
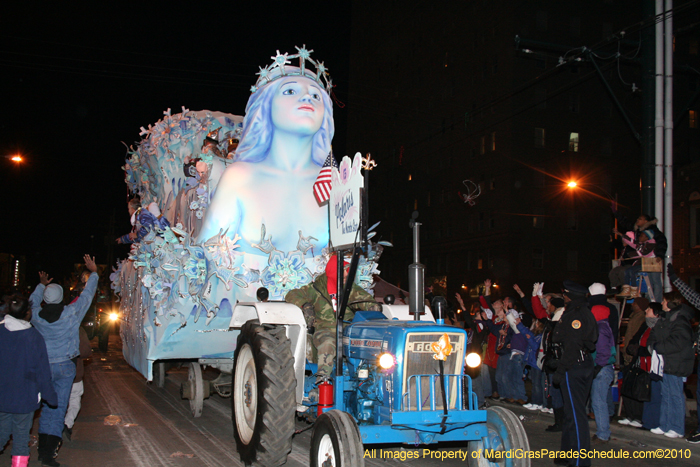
(344, 203)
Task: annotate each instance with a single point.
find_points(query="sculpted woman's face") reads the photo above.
(297, 106)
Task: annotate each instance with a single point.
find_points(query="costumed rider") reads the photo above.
(318, 302)
(577, 332)
(142, 221)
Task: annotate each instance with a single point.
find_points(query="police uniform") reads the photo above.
(577, 332)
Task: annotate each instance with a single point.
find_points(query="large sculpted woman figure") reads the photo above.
(266, 196)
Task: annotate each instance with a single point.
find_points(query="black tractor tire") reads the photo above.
(336, 441)
(263, 395)
(506, 433)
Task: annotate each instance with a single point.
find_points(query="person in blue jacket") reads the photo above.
(25, 377)
(143, 221)
(58, 324)
(534, 341)
(604, 373)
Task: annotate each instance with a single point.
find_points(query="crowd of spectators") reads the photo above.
(40, 353)
(566, 344)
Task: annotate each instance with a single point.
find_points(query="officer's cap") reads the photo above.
(574, 290)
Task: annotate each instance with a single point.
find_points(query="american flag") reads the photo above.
(322, 186)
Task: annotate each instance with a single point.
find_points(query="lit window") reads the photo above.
(409, 177)
(692, 119)
(539, 137)
(573, 142)
(483, 146)
(493, 141)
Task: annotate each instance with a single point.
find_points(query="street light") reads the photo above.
(16, 158)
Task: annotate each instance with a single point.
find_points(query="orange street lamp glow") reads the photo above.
(572, 184)
(17, 158)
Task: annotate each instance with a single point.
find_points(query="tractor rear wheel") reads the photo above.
(263, 395)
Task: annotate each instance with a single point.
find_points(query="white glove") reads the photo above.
(539, 290)
(535, 288)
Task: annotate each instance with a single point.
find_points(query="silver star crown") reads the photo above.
(277, 70)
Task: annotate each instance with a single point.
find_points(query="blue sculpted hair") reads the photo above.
(258, 129)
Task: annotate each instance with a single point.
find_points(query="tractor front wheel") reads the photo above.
(505, 433)
(336, 441)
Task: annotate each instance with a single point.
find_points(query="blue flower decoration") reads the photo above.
(284, 273)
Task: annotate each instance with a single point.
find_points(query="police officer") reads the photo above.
(577, 332)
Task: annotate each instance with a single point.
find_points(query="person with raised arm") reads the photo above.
(58, 324)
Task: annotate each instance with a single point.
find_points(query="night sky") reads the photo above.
(78, 79)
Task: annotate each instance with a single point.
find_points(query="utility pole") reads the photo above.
(648, 55)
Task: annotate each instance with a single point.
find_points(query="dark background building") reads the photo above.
(506, 95)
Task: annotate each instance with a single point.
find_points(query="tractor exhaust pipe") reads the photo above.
(416, 274)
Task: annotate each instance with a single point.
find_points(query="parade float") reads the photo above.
(245, 209)
(258, 203)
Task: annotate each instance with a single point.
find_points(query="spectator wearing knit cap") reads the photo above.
(598, 297)
(59, 324)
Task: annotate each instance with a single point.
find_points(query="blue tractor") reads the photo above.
(401, 380)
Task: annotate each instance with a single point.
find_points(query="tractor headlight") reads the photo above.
(386, 361)
(473, 360)
(113, 317)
